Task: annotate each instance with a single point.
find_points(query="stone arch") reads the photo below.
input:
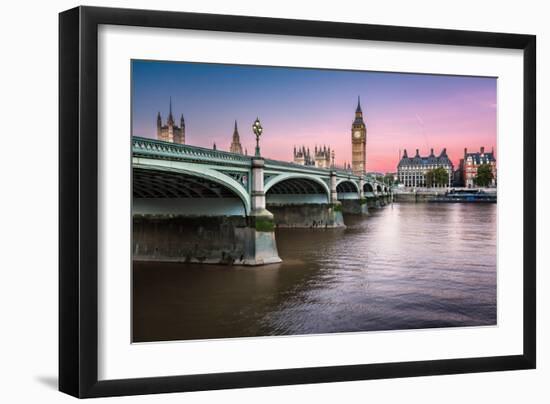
(368, 187)
(378, 188)
(303, 185)
(346, 185)
(155, 181)
(347, 189)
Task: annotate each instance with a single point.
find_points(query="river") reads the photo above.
(404, 266)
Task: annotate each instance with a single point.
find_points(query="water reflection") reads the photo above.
(405, 266)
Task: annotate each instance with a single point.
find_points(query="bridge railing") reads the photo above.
(157, 148)
(151, 147)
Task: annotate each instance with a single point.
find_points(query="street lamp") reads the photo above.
(257, 129)
(332, 155)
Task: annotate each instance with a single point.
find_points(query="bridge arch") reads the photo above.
(368, 187)
(156, 182)
(296, 188)
(345, 185)
(347, 189)
(378, 188)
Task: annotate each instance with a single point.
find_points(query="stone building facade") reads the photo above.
(321, 156)
(171, 132)
(471, 162)
(411, 171)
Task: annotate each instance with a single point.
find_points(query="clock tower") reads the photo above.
(358, 142)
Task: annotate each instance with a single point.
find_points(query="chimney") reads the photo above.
(482, 150)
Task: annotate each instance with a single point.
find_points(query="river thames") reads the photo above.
(404, 266)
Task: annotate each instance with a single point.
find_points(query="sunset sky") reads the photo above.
(316, 107)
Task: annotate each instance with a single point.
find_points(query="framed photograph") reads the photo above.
(251, 201)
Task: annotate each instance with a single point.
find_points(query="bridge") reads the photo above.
(195, 204)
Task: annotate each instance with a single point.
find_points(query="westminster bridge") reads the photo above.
(193, 204)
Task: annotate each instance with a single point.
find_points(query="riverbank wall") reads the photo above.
(425, 195)
(416, 196)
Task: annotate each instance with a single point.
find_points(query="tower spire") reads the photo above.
(358, 141)
(170, 116)
(236, 146)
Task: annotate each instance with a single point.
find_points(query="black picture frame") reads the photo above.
(78, 201)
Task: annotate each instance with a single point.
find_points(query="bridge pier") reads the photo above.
(308, 215)
(373, 202)
(230, 240)
(355, 206)
(262, 247)
(353, 199)
(335, 211)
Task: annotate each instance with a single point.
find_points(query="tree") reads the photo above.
(388, 179)
(484, 176)
(437, 176)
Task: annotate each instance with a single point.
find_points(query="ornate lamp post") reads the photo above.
(332, 156)
(257, 129)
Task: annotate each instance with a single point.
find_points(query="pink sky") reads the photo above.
(316, 107)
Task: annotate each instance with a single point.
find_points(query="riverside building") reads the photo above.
(411, 171)
(471, 163)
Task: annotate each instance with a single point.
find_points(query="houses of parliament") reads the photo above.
(322, 157)
(171, 132)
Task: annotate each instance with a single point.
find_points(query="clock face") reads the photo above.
(357, 134)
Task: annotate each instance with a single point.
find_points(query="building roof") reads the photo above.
(481, 158)
(431, 159)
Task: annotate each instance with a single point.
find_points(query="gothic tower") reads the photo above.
(236, 142)
(181, 138)
(358, 142)
(171, 132)
(170, 124)
(159, 126)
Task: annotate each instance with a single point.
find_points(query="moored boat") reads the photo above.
(466, 196)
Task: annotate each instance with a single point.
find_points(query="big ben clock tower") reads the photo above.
(358, 142)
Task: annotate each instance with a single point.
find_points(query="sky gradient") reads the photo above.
(316, 107)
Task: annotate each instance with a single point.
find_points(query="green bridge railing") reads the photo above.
(157, 148)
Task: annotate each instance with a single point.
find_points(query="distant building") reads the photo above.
(358, 142)
(302, 156)
(236, 142)
(458, 177)
(170, 132)
(321, 156)
(471, 163)
(411, 171)
(375, 174)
